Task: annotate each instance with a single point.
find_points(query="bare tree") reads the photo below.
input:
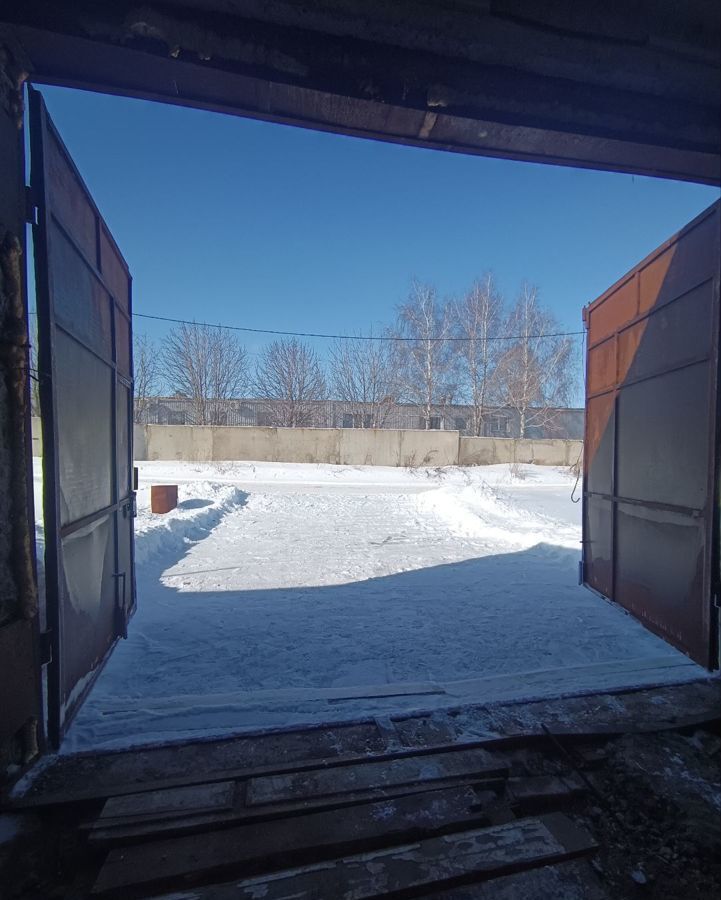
(363, 375)
(208, 365)
(146, 371)
(479, 320)
(289, 373)
(425, 356)
(535, 373)
(33, 370)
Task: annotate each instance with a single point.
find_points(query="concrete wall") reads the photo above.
(475, 451)
(37, 433)
(344, 446)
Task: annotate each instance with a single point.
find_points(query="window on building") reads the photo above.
(460, 423)
(246, 414)
(498, 426)
(347, 420)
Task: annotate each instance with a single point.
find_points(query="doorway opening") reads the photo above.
(301, 580)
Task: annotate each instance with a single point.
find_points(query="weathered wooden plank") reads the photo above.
(543, 791)
(587, 718)
(124, 831)
(197, 776)
(163, 706)
(127, 831)
(250, 849)
(434, 863)
(132, 818)
(373, 774)
(213, 797)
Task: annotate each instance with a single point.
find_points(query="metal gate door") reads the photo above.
(86, 393)
(651, 467)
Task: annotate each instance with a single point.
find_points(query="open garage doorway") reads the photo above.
(400, 802)
(281, 592)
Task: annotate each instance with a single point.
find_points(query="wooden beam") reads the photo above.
(493, 82)
(410, 869)
(251, 849)
(374, 775)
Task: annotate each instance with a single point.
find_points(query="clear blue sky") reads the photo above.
(225, 219)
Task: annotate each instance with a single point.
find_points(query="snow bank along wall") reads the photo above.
(344, 446)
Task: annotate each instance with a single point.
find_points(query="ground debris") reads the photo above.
(659, 828)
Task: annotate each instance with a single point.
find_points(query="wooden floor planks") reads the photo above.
(339, 825)
(434, 863)
(179, 810)
(171, 803)
(249, 849)
(374, 775)
(75, 778)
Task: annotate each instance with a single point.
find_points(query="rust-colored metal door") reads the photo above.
(651, 467)
(86, 392)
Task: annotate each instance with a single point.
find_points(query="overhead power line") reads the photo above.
(352, 337)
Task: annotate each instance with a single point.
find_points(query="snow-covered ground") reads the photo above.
(280, 594)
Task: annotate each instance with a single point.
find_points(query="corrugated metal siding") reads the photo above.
(562, 423)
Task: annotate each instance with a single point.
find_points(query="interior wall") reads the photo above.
(19, 687)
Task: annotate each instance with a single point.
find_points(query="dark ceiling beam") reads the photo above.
(508, 79)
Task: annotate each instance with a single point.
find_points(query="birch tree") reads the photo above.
(146, 373)
(535, 373)
(425, 356)
(208, 365)
(362, 373)
(289, 373)
(479, 321)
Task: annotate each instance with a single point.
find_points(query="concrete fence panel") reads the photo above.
(481, 451)
(193, 443)
(140, 442)
(428, 448)
(37, 435)
(370, 446)
(244, 443)
(345, 446)
(307, 445)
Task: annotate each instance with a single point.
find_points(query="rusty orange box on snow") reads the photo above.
(163, 497)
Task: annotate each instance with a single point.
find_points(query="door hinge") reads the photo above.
(121, 607)
(31, 206)
(46, 648)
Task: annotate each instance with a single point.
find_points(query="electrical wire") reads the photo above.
(353, 337)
